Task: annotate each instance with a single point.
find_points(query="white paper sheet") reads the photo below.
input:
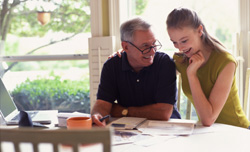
(62, 117)
(174, 127)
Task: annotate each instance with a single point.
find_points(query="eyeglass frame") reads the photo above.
(150, 48)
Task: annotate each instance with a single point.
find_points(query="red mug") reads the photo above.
(79, 123)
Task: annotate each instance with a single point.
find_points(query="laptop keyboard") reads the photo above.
(16, 118)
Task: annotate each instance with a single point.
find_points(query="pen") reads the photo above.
(103, 118)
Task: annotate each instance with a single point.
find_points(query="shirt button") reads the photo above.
(137, 80)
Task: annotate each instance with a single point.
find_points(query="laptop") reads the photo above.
(10, 113)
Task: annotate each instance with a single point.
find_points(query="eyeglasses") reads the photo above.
(156, 46)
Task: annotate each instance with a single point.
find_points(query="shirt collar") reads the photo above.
(126, 66)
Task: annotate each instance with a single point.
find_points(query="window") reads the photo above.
(219, 26)
(44, 64)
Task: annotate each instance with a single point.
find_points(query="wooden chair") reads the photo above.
(56, 137)
(247, 95)
(189, 104)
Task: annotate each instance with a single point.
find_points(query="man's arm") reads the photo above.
(100, 109)
(158, 111)
(106, 93)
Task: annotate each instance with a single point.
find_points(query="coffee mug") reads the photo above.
(79, 123)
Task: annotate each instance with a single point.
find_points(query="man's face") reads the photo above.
(142, 40)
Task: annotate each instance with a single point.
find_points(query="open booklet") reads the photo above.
(155, 127)
(136, 130)
(127, 123)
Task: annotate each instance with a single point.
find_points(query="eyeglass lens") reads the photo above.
(156, 47)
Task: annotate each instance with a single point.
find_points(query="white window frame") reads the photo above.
(96, 18)
(243, 49)
(119, 11)
(25, 58)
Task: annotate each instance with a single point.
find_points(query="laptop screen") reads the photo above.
(7, 106)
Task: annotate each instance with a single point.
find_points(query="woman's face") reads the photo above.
(186, 39)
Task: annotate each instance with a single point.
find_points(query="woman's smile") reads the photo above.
(186, 52)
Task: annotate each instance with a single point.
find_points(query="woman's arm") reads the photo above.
(209, 109)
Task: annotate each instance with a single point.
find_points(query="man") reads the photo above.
(142, 81)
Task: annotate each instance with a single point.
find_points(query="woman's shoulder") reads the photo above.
(179, 57)
(180, 61)
(223, 57)
(220, 59)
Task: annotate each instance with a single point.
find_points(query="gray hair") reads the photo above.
(128, 28)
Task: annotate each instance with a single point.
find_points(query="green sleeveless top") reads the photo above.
(232, 112)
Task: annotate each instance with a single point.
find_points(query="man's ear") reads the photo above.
(124, 46)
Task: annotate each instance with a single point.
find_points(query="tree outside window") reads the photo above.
(66, 32)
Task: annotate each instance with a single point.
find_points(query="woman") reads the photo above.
(207, 70)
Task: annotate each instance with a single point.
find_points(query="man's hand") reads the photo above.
(100, 109)
(96, 120)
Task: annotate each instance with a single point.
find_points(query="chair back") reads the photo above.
(188, 110)
(247, 95)
(75, 139)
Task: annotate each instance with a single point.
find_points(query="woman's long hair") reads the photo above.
(183, 17)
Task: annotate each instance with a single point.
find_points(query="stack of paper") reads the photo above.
(62, 117)
(171, 127)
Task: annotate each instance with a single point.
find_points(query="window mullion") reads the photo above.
(244, 16)
(43, 57)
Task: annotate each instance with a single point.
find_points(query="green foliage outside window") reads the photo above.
(140, 6)
(52, 93)
(68, 16)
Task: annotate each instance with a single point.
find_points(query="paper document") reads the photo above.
(171, 127)
(127, 123)
(62, 117)
(124, 137)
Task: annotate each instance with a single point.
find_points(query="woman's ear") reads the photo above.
(200, 30)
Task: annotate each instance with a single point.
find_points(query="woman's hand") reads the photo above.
(195, 62)
(118, 53)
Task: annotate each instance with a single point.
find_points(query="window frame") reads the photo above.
(25, 58)
(243, 45)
